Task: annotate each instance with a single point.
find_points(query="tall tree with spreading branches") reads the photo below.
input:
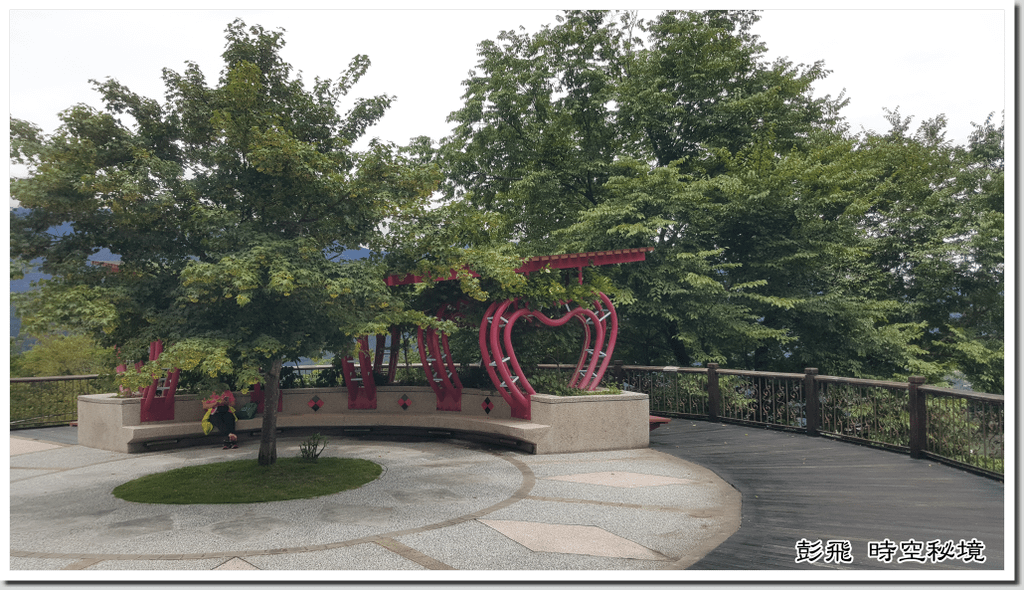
(229, 205)
(781, 241)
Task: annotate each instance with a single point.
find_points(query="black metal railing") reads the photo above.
(864, 410)
(960, 428)
(964, 428)
(50, 401)
(302, 376)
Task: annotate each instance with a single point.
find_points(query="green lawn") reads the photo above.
(235, 482)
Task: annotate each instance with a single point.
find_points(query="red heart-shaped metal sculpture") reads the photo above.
(503, 367)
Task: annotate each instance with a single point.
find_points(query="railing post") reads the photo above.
(812, 409)
(714, 394)
(918, 417)
(618, 372)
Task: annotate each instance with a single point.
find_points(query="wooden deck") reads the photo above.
(799, 487)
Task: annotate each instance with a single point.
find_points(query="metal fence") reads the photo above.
(966, 426)
(862, 410)
(50, 401)
(960, 428)
(300, 376)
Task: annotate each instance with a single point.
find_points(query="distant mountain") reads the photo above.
(357, 254)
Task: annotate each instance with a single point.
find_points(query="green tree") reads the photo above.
(58, 354)
(757, 267)
(933, 225)
(229, 205)
(584, 139)
(974, 329)
(703, 84)
(781, 241)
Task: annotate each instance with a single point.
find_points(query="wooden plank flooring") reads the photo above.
(799, 487)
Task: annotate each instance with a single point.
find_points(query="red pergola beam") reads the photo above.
(577, 260)
(395, 280)
(584, 259)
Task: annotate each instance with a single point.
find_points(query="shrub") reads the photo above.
(314, 445)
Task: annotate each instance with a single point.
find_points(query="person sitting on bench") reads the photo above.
(220, 413)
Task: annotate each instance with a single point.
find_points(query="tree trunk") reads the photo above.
(678, 348)
(268, 440)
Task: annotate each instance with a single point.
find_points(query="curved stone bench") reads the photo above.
(558, 424)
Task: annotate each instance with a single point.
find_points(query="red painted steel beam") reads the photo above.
(582, 259)
(577, 260)
(395, 280)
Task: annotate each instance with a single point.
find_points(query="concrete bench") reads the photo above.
(557, 425)
(508, 433)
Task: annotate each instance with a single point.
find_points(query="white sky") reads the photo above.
(926, 62)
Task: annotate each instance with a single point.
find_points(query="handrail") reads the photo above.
(47, 401)
(993, 398)
(666, 369)
(55, 378)
(765, 374)
(966, 431)
(861, 382)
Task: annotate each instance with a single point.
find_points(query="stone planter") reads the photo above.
(558, 425)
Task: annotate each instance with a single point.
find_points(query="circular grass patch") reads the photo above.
(245, 481)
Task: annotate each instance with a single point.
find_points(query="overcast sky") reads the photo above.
(924, 61)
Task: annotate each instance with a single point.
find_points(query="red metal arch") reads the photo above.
(158, 397)
(437, 362)
(600, 327)
(504, 369)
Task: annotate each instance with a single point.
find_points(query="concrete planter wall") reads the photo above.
(593, 422)
(558, 425)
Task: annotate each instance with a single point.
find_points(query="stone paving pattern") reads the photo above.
(437, 506)
(443, 510)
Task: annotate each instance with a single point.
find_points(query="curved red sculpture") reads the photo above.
(600, 329)
(436, 358)
(500, 358)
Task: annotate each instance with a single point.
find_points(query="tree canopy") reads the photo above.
(228, 205)
(781, 240)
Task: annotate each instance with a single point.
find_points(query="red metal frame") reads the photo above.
(436, 358)
(600, 325)
(504, 369)
(362, 391)
(158, 397)
(495, 341)
(495, 363)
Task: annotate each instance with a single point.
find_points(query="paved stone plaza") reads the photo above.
(437, 506)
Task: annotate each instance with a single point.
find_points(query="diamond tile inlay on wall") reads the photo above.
(316, 403)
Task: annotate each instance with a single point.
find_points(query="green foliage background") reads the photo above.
(781, 239)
